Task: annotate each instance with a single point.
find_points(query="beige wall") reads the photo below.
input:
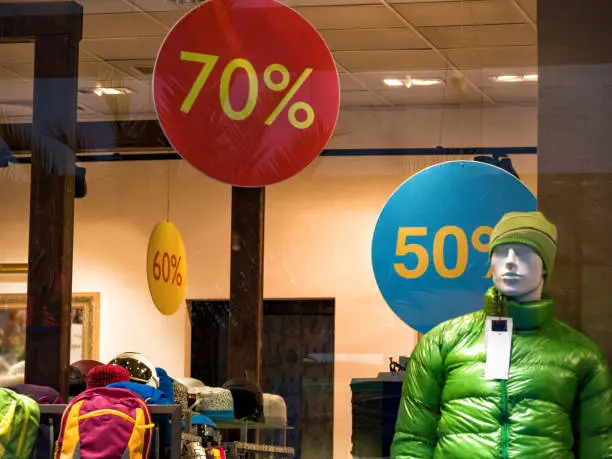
(317, 243)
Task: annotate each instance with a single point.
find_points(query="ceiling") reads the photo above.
(463, 43)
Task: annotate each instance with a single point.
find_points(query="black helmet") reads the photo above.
(77, 376)
(248, 399)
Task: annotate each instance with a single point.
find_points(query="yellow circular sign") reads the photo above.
(166, 268)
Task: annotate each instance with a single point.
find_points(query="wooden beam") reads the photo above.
(246, 283)
(25, 21)
(52, 209)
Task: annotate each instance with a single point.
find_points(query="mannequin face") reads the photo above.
(518, 272)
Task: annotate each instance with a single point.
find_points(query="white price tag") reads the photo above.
(498, 345)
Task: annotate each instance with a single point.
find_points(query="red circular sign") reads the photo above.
(246, 91)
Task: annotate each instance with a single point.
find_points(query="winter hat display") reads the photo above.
(275, 410)
(216, 403)
(531, 229)
(103, 375)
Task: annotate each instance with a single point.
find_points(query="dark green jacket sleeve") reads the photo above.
(593, 413)
(419, 411)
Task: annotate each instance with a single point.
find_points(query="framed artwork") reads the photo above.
(85, 332)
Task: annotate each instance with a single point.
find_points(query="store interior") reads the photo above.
(473, 67)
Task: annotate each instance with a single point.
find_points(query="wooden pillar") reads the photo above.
(57, 37)
(246, 284)
(574, 160)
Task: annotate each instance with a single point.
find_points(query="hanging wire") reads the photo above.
(168, 181)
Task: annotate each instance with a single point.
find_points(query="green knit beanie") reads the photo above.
(531, 229)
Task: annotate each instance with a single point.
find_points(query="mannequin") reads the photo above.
(518, 272)
(555, 399)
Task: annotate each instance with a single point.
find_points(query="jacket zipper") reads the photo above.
(504, 395)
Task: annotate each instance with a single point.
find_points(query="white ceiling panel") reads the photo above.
(169, 18)
(483, 77)
(372, 39)
(15, 89)
(105, 6)
(125, 48)
(530, 7)
(361, 98)
(430, 95)
(11, 53)
(374, 80)
(461, 13)
(350, 17)
(155, 5)
(121, 25)
(359, 61)
(294, 3)
(513, 92)
(478, 58)
(348, 83)
(481, 36)
(25, 70)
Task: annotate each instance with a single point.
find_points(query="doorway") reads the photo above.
(298, 363)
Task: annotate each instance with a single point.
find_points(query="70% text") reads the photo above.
(209, 61)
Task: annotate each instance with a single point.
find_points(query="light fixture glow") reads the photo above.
(515, 78)
(508, 78)
(393, 82)
(428, 82)
(105, 91)
(409, 82)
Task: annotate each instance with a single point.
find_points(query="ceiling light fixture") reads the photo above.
(111, 91)
(106, 91)
(409, 82)
(514, 78)
(393, 82)
(427, 82)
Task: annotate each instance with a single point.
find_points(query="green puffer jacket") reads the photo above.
(557, 403)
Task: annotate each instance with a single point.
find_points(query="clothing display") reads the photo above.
(20, 420)
(103, 375)
(275, 410)
(216, 403)
(556, 402)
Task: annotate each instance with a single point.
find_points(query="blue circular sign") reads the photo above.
(430, 246)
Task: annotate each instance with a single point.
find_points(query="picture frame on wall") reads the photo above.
(85, 333)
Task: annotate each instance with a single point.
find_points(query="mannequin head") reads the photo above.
(518, 272)
(522, 250)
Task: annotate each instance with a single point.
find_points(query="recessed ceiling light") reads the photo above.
(409, 82)
(514, 78)
(393, 82)
(508, 78)
(427, 82)
(106, 91)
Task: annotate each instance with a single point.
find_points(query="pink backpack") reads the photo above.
(105, 423)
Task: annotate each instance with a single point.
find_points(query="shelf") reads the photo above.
(238, 425)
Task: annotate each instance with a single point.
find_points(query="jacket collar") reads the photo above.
(526, 316)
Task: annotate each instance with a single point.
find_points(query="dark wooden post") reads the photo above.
(246, 284)
(574, 160)
(56, 29)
